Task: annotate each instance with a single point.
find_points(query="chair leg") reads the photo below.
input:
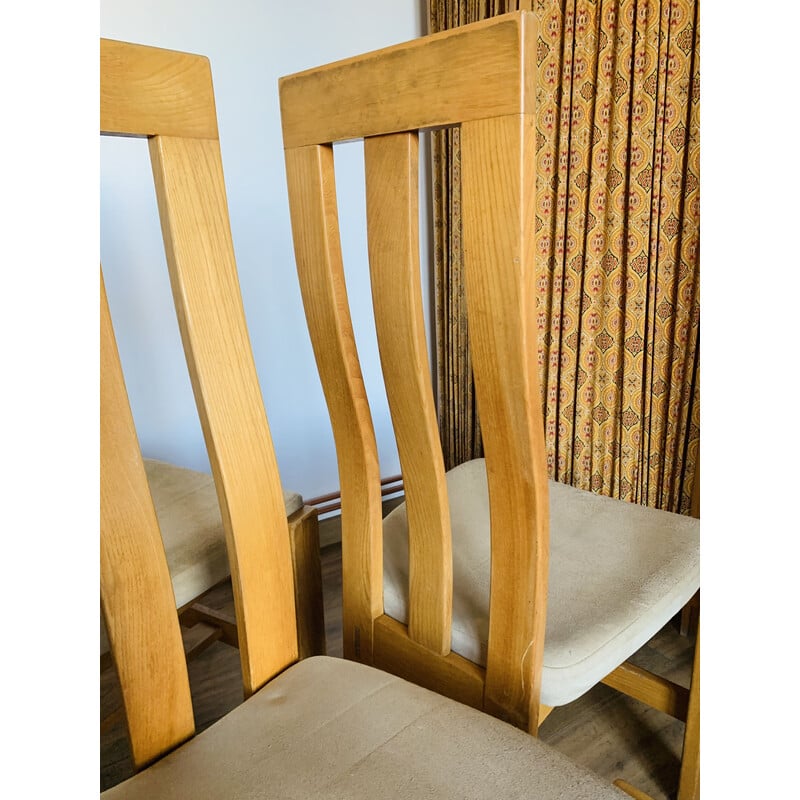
(690, 614)
(304, 537)
(689, 786)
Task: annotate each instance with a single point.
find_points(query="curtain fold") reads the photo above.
(459, 424)
(617, 242)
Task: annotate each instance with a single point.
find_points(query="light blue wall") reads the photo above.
(250, 45)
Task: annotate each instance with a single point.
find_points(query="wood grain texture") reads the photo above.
(315, 230)
(304, 540)
(689, 784)
(392, 177)
(194, 220)
(498, 197)
(654, 690)
(483, 70)
(146, 91)
(148, 652)
(450, 675)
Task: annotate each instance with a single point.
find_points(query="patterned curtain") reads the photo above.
(617, 235)
(459, 425)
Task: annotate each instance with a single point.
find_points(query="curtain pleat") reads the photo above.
(617, 242)
(458, 416)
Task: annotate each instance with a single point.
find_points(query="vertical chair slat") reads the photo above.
(133, 575)
(315, 229)
(498, 191)
(194, 221)
(392, 177)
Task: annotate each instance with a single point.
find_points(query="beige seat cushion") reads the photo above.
(618, 572)
(191, 526)
(329, 728)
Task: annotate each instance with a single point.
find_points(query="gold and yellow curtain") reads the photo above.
(617, 240)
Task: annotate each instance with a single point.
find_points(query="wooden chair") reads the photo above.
(315, 728)
(451, 590)
(186, 501)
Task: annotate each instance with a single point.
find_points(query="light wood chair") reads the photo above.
(186, 501)
(490, 584)
(313, 728)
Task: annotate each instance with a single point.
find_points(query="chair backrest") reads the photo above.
(168, 97)
(480, 79)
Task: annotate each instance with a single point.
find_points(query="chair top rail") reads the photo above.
(426, 83)
(148, 91)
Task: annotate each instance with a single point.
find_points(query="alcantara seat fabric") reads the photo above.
(313, 728)
(330, 728)
(617, 571)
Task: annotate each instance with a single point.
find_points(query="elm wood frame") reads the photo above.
(386, 97)
(304, 538)
(168, 97)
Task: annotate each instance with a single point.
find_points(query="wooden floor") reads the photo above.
(611, 734)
